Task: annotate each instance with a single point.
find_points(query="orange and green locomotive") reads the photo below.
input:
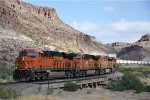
(38, 64)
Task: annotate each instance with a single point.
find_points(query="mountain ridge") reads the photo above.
(139, 50)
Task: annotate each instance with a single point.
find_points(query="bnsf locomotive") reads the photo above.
(37, 65)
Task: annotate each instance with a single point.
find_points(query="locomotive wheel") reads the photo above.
(102, 71)
(76, 74)
(69, 74)
(84, 73)
(111, 70)
(41, 78)
(28, 79)
(97, 72)
(36, 79)
(66, 75)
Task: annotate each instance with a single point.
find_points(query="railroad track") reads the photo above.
(31, 87)
(8, 83)
(69, 79)
(59, 80)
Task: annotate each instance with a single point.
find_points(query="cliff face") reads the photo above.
(43, 24)
(144, 41)
(23, 25)
(119, 45)
(134, 52)
(145, 38)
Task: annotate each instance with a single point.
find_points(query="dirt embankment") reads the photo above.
(90, 94)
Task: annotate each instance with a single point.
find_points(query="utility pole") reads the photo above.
(48, 78)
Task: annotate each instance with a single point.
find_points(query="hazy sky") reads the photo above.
(109, 21)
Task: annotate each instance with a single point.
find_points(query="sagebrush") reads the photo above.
(69, 86)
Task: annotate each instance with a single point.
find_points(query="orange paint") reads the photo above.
(40, 61)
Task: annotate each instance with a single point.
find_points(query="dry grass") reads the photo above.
(66, 96)
(94, 97)
(38, 97)
(98, 94)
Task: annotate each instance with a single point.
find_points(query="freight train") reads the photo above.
(37, 65)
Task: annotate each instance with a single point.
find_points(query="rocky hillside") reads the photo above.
(144, 41)
(134, 52)
(145, 38)
(139, 50)
(24, 25)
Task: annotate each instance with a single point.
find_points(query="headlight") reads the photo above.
(23, 58)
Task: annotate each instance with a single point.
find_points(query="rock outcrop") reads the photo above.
(145, 37)
(144, 41)
(134, 52)
(119, 45)
(139, 50)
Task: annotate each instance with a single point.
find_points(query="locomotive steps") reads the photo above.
(32, 87)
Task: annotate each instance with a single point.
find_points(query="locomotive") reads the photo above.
(37, 65)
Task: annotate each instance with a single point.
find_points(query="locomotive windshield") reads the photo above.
(22, 54)
(30, 54)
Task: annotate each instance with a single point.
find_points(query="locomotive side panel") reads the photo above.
(104, 64)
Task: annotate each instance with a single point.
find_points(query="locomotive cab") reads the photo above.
(25, 62)
(31, 53)
(25, 58)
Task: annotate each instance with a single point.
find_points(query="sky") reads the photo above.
(108, 20)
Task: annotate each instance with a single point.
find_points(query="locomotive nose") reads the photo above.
(23, 63)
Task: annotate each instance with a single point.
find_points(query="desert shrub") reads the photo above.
(39, 89)
(131, 80)
(50, 90)
(81, 51)
(135, 73)
(128, 82)
(69, 86)
(9, 94)
(70, 50)
(88, 92)
(142, 71)
(5, 72)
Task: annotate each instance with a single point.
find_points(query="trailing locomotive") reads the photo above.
(37, 65)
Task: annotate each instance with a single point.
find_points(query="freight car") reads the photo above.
(37, 65)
